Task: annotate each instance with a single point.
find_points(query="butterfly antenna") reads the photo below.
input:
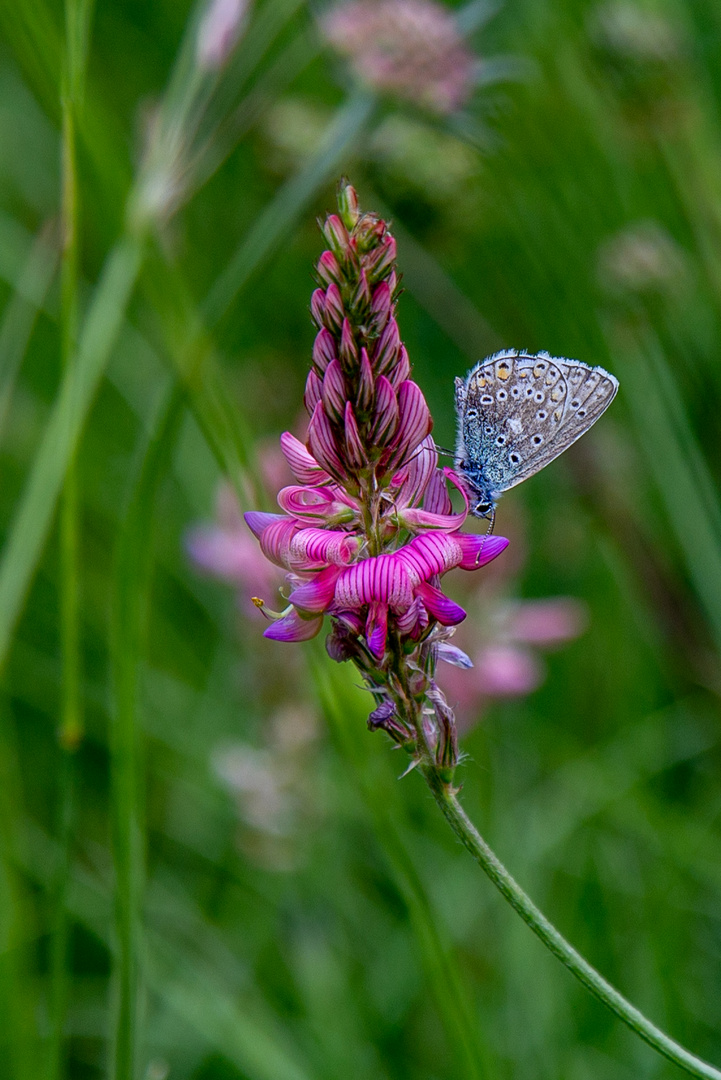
(489, 530)
(442, 450)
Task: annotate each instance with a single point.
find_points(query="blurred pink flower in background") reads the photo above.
(409, 48)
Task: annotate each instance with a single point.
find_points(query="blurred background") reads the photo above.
(208, 867)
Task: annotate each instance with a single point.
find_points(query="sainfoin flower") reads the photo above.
(409, 48)
(369, 529)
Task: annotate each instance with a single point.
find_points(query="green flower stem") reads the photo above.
(471, 839)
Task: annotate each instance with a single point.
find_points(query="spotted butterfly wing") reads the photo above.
(517, 412)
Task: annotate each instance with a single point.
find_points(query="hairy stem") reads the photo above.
(471, 839)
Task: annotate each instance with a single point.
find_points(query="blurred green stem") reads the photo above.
(465, 830)
(77, 22)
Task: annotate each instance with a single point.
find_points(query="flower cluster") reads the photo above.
(409, 48)
(369, 528)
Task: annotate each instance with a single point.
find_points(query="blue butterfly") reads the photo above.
(516, 412)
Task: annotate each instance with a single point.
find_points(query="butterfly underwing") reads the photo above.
(516, 413)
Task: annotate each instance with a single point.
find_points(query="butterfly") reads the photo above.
(516, 413)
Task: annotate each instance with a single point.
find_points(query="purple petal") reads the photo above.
(380, 307)
(377, 629)
(419, 520)
(329, 268)
(257, 521)
(293, 628)
(317, 307)
(413, 621)
(303, 465)
(453, 655)
(430, 554)
(334, 313)
(478, 550)
(440, 606)
(316, 596)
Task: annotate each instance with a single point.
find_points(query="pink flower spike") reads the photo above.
(313, 391)
(479, 550)
(353, 441)
(323, 350)
(293, 627)
(377, 629)
(385, 420)
(322, 444)
(439, 605)
(304, 467)
(315, 596)
(334, 391)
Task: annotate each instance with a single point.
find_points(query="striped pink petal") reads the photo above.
(313, 504)
(312, 549)
(303, 465)
(383, 578)
(377, 628)
(322, 444)
(335, 393)
(315, 596)
(436, 499)
(323, 349)
(257, 521)
(414, 423)
(478, 550)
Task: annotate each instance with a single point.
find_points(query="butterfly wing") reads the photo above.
(519, 411)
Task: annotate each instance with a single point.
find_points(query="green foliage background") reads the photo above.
(147, 931)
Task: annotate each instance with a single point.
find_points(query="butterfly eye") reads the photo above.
(481, 509)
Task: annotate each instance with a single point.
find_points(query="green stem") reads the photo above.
(471, 839)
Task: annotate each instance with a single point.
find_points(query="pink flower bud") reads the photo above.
(415, 421)
(354, 443)
(348, 204)
(305, 468)
(364, 397)
(401, 370)
(334, 313)
(328, 268)
(386, 349)
(336, 234)
(381, 260)
(385, 419)
(313, 392)
(348, 350)
(323, 350)
(335, 394)
(380, 307)
(317, 307)
(362, 294)
(322, 444)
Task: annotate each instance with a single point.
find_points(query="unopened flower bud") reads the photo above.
(317, 307)
(334, 392)
(385, 718)
(333, 312)
(382, 260)
(362, 295)
(401, 370)
(313, 390)
(329, 268)
(348, 350)
(385, 419)
(364, 397)
(386, 348)
(380, 307)
(336, 234)
(348, 204)
(323, 350)
(353, 441)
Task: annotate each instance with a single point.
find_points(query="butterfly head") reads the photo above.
(481, 498)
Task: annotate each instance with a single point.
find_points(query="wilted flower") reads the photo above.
(369, 529)
(409, 48)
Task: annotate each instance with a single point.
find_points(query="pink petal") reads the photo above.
(414, 423)
(440, 606)
(313, 549)
(315, 596)
(478, 550)
(275, 540)
(421, 469)
(366, 386)
(323, 349)
(353, 441)
(322, 444)
(334, 391)
(313, 391)
(401, 370)
(293, 628)
(303, 465)
(430, 554)
(386, 349)
(436, 499)
(385, 418)
(313, 504)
